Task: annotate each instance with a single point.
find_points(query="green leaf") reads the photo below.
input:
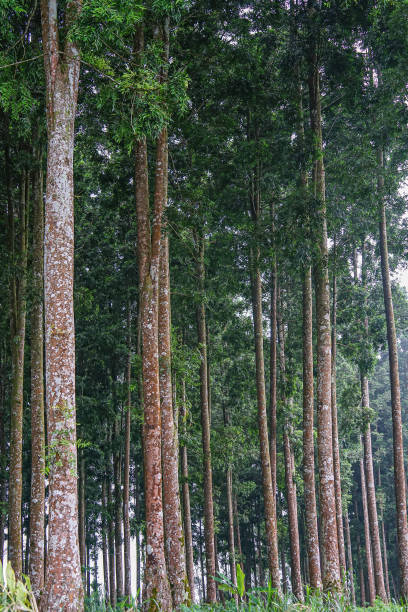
(10, 578)
(240, 581)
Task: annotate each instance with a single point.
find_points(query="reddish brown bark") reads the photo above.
(399, 468)
(335, 434)
(63, 584)
(18, 284)
(206, 434)
(174, 543)
(186, 500)
(360, 565)
(37, 502)
(369, 558)
(329, 540)
(312, 533)
(156, 585)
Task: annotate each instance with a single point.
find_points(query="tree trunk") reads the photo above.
(126, 467)
(63, 584)
(18, 284)
(369, 559)
(156, 585)
(186, 499)
(206, 433)
(335, 433)
(371, 500)
(399, 469)
(350, 560)
(272, 387)
(201, 562)
(268, 492)
(387, 581)
(174, 543)
(37, 502)
(329, 541)
(291, 497)
(104, 543)
(292, 515)
(312, 533)
(111, 546)
(118, 523)
(3, 456)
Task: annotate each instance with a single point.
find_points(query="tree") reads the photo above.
(63, 584)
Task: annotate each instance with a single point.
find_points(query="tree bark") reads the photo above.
(349, 559)
(63, 584)
(174, 543)
(335, 433)
(206, 433)
(237, 530)
(272, 365)
(156, 585)
(18, 284)
(186, 499)
(268, 493)
(231, 540)
(369, 559)
(312, 532)
(126, 468)
(37, 502)
(117, 478)
(371, 500)
(399, 468)
(105, 560)
(329, 540)
(289, 470)
(111, 544)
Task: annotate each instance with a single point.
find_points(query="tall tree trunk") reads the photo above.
(387, 581)
(111, 544)
(174, 544)
(399, 469)
(156, 585)
(206, 434)
(63, 584)
(289, 469)
(272, 364)
(18, 284)
(335, 432)
(201, 561)
(359, 557)
(312, 532)
(105, 560)
(186, 499)
(37, 502)
(372, 502)
(384, 541)
(327, 497)
(126, 467)
(369, 559)
(350, 560)
(117, 478)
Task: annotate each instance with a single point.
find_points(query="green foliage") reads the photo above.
(15, 595)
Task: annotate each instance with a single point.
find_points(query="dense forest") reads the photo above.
(204, 319)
